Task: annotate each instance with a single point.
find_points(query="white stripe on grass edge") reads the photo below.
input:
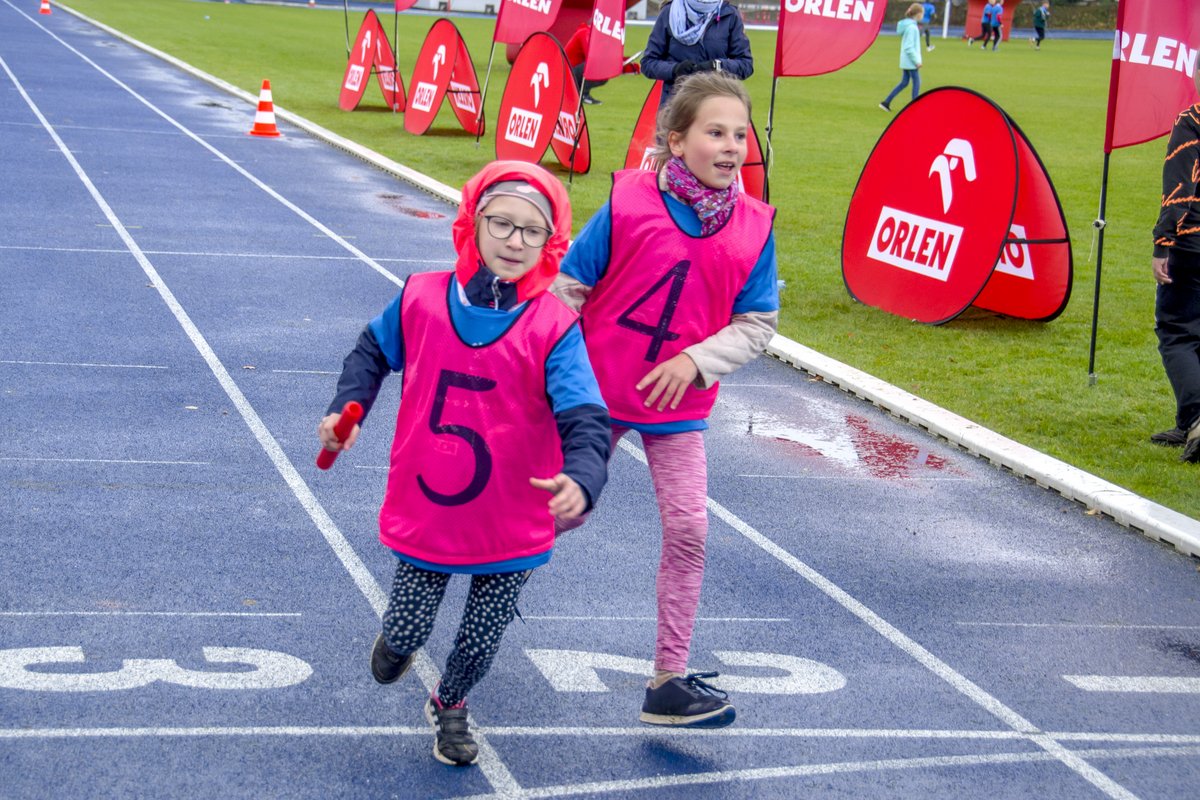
(489, 763)
(927, 659)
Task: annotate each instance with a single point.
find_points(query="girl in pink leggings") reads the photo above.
(675, 277)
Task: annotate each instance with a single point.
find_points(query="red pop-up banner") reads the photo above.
(819, 37)
(953, 208)
(443, 65)
(570, 143)
(518, 19)
(532, 99)
(371, 52)
(752, 178)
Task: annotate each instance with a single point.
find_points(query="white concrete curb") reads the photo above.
(1151, 519)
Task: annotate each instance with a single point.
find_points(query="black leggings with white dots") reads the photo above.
(491, 604)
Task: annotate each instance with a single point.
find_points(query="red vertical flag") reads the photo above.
(606, 41)
(819, 36)
(402, 5)
(520, 18)
(1154, 60)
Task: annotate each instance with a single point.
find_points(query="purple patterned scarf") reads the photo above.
(713, 206)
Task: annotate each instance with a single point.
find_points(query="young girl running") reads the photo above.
(675, 276)
(500, 410)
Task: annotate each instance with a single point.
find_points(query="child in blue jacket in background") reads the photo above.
(910, 54)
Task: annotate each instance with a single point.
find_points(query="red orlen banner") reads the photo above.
(974, 26)
(1154, 59)
(434, 74)
(937, 216)
(464, 91)
(532, 99)
(819, 36)
(606, 42)
(518, 19)
(753, 177)
(371, 52)
(570, 142)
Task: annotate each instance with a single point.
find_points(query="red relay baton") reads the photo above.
(351, 414)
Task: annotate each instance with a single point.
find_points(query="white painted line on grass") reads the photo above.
(490, 764)
(1135, 684)
(900, 640)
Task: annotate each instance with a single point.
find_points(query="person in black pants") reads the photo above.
(1176, 266)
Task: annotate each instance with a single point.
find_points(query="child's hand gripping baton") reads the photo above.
(351, 414)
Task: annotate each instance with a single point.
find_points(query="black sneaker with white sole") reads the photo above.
(386, 666)
(1175, 437)
(452, 740)
(688, 703)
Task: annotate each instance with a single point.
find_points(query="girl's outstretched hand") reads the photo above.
(671, 379)
(330, 441)
(568, 501)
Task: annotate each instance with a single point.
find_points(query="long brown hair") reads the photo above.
(680, 111)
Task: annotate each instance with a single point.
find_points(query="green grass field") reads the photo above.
(1027, 381)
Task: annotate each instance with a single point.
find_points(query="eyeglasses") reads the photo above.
(502, 228)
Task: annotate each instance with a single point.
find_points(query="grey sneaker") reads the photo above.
(885, 107)
(386, 666)
(452, 740)
(688, 703)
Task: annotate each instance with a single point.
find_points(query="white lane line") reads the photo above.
(525, 731)
(1098, 626)
(653, 619)
(149, 614)
(306, 372)
(493, 768)
(213, 254)
(858, 479)
(900, 640)
(79, 364)
(1135, 684)
(105, 461)
(839, 768)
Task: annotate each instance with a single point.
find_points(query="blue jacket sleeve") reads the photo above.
(363, 371)
(657, 65)
(738, 59)
(587, 260)
(761, 290)
(580, 414)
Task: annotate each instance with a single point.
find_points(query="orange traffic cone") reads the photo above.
(45, 9)
(264, 118)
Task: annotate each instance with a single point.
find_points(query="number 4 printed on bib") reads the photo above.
(660, 331)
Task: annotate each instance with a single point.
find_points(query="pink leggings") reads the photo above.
(679, 470)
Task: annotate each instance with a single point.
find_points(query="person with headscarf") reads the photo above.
(696, 36)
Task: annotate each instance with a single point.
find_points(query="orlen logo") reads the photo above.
(857, 10)
(647, 160)
(608, 26)
(915, 243)
(1167, 53)
(523, 127)
(1014, 258)
(565, 130)
(423, 95)
(354, 77)
(462, 96)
